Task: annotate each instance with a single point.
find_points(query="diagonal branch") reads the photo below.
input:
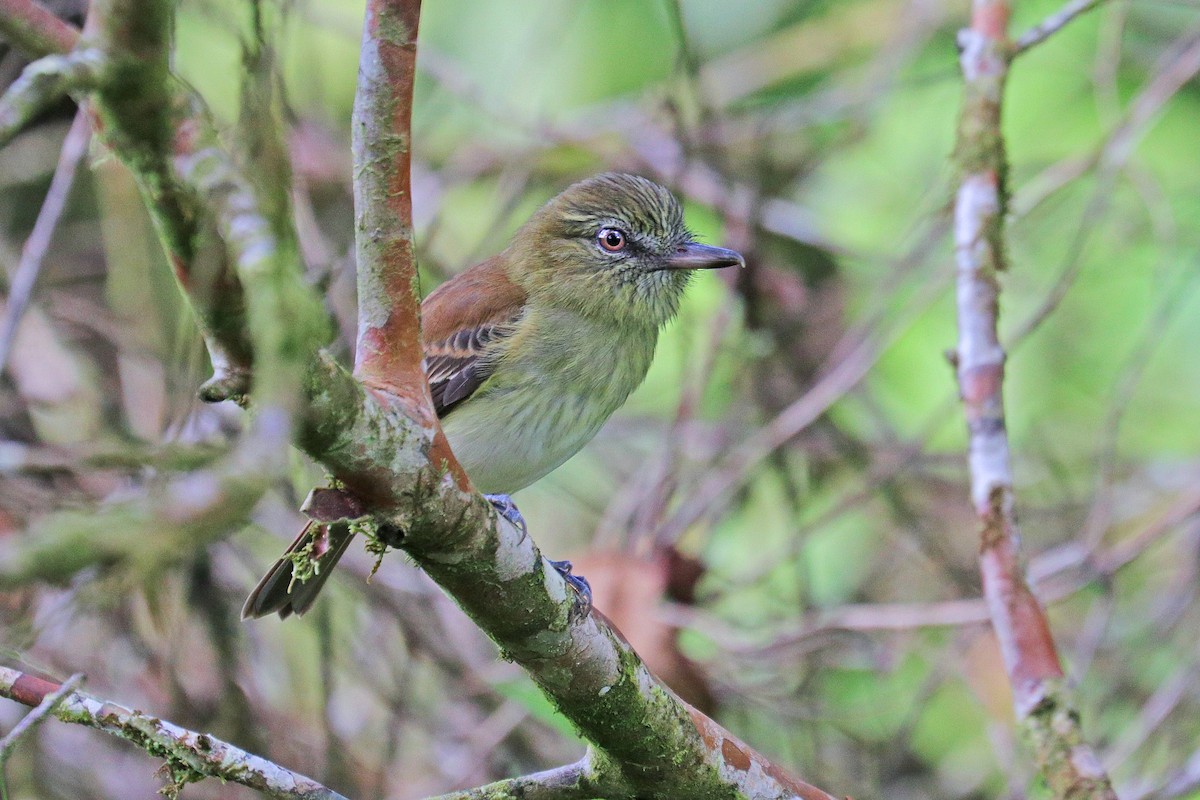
(1052, 24)
(42, 84)
(189, 755)
(24, 277)
(645, 738)
(1043, 708)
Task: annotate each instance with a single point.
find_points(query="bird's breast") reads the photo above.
(558, 381)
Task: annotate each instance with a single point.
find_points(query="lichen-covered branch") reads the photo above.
(189, 755)
(644, 737)
(652, 740)
(159, 130)
(1043, 708)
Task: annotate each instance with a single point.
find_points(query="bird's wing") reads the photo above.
(458, 366)
(463, 322)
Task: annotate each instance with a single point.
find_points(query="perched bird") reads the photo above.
(531, 351)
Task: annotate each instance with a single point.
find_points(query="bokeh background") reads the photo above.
(779, 517)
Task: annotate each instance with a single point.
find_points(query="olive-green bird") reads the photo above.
(530, 352)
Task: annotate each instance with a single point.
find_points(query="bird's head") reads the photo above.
(612, 246)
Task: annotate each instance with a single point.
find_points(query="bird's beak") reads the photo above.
(703, 256)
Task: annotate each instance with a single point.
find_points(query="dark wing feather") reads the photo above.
(462, 324)
(459, 365)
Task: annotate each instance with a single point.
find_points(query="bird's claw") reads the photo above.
(582, 606)
(579, 584)
(506, 508)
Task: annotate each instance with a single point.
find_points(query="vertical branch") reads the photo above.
(1044, 712)
(388, 348)
(140, 115)
(388, 351)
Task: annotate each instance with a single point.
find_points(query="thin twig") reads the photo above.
(39, 714)
(573, 782)
(1053, 24)
(1182, 63)
(74, 147)
(842, 376)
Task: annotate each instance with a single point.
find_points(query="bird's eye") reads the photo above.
(611, 239)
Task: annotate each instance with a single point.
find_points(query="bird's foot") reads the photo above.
(506, 508)
(579, 584)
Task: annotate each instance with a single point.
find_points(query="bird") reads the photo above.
(531, 351)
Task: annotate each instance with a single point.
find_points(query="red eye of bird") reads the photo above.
(611, 240)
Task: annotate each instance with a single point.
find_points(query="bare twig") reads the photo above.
(1170, 692)
(25, 276)
(576, 781)
(1066, 762)
(1052, 24)
(1054, 576)
(190, 756)
(1180, 65)
(36, 717)
(860, 354)
(1182, 782)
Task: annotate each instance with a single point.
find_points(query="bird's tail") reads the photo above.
(284, 591)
